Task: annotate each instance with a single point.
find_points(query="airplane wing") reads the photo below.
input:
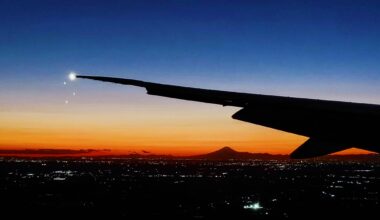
(331, 125)
(180, 92)
(316, 147)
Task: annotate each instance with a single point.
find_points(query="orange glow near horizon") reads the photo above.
(189, 129)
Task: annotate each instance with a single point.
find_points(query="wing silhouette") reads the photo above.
(332, 125)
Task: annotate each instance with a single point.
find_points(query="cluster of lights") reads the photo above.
(254, 206)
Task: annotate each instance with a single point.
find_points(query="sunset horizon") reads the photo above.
(189, 109)
(99, 152)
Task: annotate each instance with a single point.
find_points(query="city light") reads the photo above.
(253, 206)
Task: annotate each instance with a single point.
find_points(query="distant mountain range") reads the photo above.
(225, 153)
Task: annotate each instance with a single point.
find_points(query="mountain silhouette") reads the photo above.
(227, 153)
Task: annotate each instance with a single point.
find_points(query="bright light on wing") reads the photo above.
(72, 76)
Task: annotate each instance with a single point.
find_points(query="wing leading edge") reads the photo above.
(326, 122)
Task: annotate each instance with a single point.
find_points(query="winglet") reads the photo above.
(316, 148)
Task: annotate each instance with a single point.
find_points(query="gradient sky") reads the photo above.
(314, 49)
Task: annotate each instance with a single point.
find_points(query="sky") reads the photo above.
(314, 49)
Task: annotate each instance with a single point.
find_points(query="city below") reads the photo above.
(221, 184)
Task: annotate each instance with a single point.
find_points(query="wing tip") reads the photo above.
(123, 81)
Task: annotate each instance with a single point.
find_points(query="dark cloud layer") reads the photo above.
(51, 151)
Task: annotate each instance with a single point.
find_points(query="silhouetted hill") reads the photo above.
(227, 153)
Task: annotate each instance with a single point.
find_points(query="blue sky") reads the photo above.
(316, 49)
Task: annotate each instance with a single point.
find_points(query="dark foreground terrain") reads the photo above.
(187, 189)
